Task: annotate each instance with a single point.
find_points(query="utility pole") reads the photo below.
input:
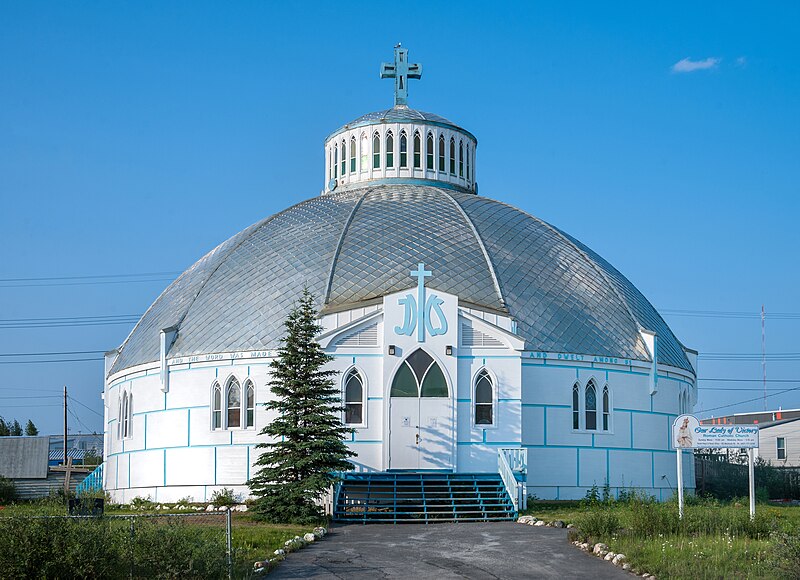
(764, 352)
(65, 424)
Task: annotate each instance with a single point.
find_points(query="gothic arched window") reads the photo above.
(419, 376)
(606, 409)
(335, 161)
(452, 156)
(376, 151)
(576, 407)
(429, 152)
(233, 403)
(352, 154)
(467, 161)
(441, 153)
(417, 151)
(461, 159)
(591, 407)
(353, 398)
(364, 152)
(389, 150)
(126, 417)
(484, 399)
(344, 157)
(216, 407)
(250, 400)
(403, 149)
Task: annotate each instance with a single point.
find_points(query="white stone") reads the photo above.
(619, 559)
(309, 537)
(280, 552)
(609, 556)
(209, 508)
(539, 523)
(626, 567)
(599, 547)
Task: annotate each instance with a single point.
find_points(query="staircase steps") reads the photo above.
(422, 497)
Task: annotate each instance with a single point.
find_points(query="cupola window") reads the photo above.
(364, 152)
(403, 149)
(335, 160)
(389, 150)
(441, 153)
(467, 161)
(344, 157)
(417, 151)
(352, 155)
(461, 159)
(452, 156)
(429, 153)
(376, 151)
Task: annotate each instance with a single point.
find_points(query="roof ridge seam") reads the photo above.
(479, 239)
(345, 228)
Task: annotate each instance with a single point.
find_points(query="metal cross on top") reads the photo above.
(401, 71)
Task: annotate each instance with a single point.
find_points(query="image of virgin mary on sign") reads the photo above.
(685, 434)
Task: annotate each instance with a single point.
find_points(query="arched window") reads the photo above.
(250, 418)
(461, 159)
(419, 376)
(353, 398)
(403, 149)
(417, 151)
(429, 152)
(364, 152)
(344, 157)
(591, 407)
(216, 407)
(389, 150)
(233, 403)
(576, 407)
(119, 418)
(125, 416)
(606, 409)
(484, 399)
(352, 154)
(376, 151)
(335, 160)
(441, 153)
(452, 156)
(467, 161)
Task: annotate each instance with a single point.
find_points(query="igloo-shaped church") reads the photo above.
(470, 336)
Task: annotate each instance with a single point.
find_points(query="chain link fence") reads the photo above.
(192, 545)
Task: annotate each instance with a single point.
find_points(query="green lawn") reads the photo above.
(714, 539)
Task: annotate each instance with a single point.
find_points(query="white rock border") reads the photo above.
(296, 543)
(599, 549)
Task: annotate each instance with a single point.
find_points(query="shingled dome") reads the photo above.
(353, 248)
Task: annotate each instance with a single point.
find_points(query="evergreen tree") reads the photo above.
(307, 435)
(16, 429)
(30, 429)
(4, 429)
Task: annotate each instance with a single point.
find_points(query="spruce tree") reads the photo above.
(4, 428)
(30, 429)
(306, 446)
(16, 429)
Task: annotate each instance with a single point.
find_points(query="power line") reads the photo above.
(33, 362)
(92, 277)
(28, 397)
(750, 400)
(730, 314)
(53, 353)
(747, 380)
(85, 406)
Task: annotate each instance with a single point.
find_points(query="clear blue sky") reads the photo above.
(135, 136)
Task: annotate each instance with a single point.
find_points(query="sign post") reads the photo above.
(688, 433)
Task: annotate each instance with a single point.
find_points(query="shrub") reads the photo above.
(224, 497)
(785, 555)
(8, 492)
(598, 523)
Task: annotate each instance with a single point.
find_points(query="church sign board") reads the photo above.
(688, 433)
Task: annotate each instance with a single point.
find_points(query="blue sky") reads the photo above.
(136, 136)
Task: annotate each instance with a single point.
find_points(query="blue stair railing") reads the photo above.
(93, 482)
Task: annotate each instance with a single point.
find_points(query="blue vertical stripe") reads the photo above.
(165, 467)
(631, 418)
(215, 466)
(545, 425)
(578, 469)
(608, 467)
(189, 428)
(145, 431)
(653, 469)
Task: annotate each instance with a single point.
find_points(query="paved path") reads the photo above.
(503, 550)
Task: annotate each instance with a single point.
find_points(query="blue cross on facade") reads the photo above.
(420, 274)
(401, 71)
(420, 312)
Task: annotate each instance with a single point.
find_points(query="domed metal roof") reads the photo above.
(353, 248)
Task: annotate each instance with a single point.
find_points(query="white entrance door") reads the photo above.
(421, 428)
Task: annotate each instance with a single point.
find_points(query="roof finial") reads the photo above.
(401, 71)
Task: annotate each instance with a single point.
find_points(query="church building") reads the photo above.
(469, 335)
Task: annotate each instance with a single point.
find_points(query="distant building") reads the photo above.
(25, 460)
(779, 434)
(78, 447)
